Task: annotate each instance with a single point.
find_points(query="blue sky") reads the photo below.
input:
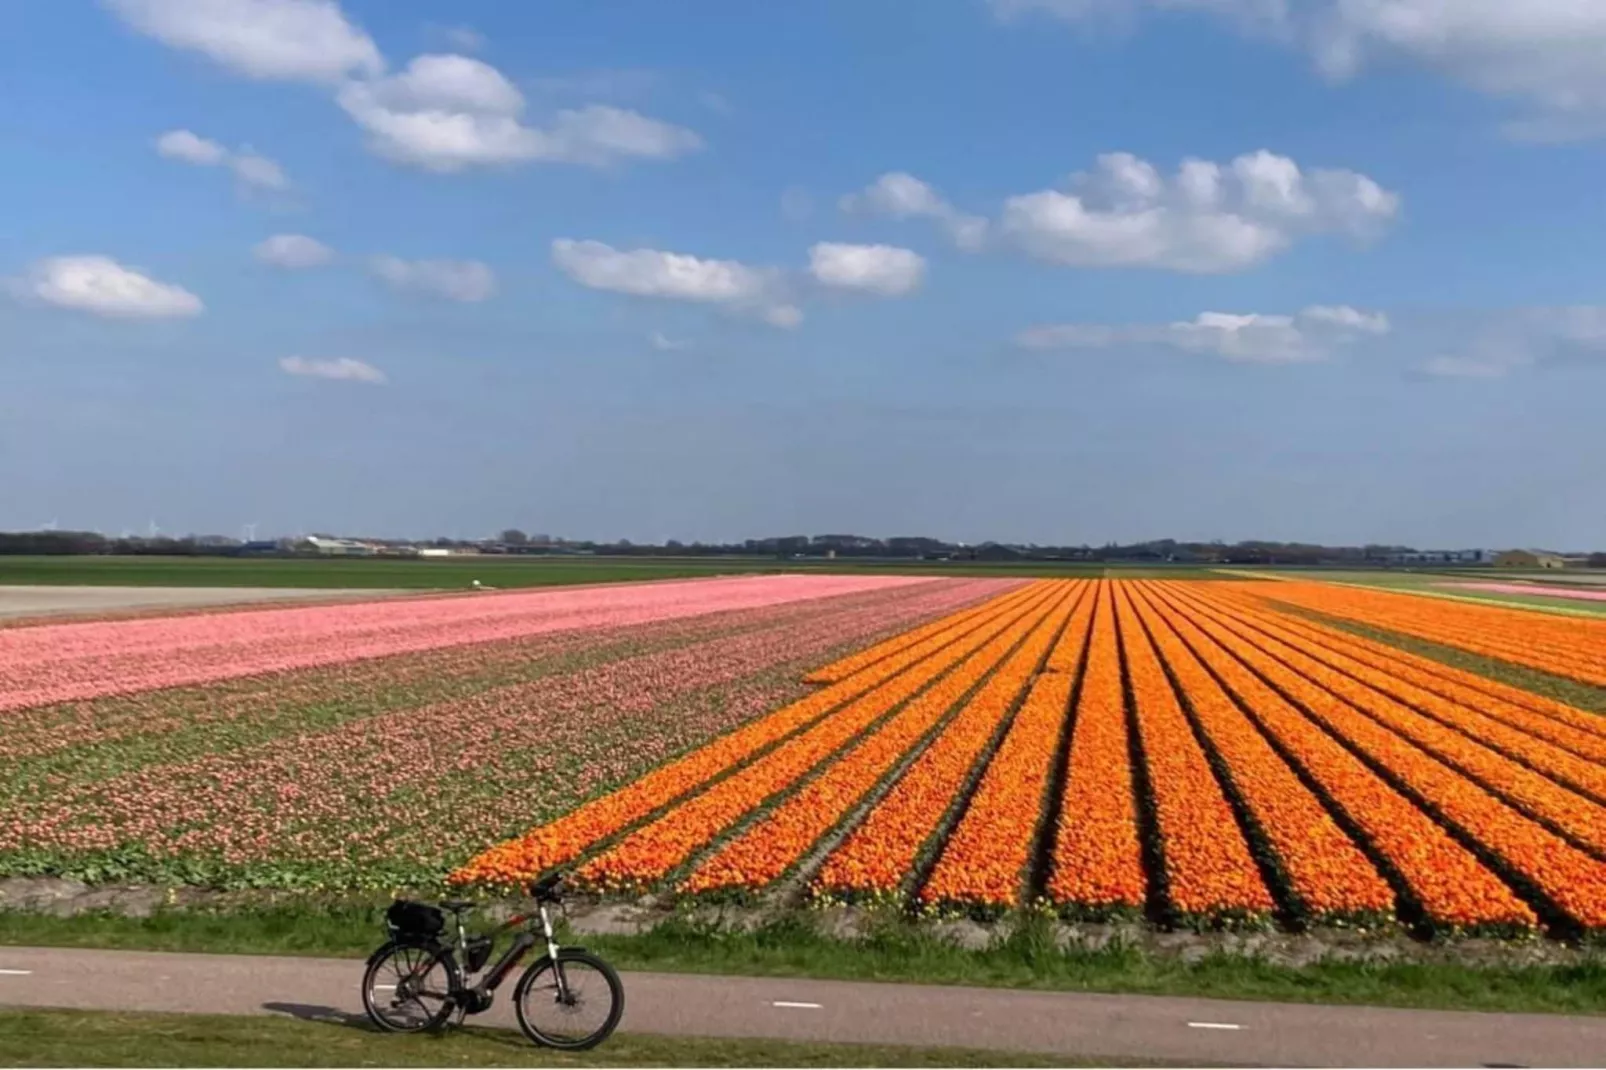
(1035, 270)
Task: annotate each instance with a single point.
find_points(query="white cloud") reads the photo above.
(903, 196)
(677, 277)
(456, 280)
(1246, 339)
(103, 287)
(449, 112)
(344, 368)
(1542, 54)
(280, 40)
(293, 251)
(191, 148)
(787, 317)
(1206, 219)
(253, 170)
(1512, 341)
(1347, 317)
(878, 269)
(258, 171)
(664, 343)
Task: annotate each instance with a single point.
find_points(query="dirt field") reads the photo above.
(32, 601)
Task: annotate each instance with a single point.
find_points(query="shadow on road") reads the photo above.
(308, 1012)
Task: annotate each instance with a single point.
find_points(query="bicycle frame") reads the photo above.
(497, 972)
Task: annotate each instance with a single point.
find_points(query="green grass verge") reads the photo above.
(101, 1038)
(497, 571)
(893, 951)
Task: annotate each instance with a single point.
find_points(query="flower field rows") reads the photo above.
(386, 770)
(65, 662)
(1200, 753)
(1186, 750)
(1574, 647)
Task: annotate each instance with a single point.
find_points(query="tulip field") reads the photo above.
(1182, 750)
(1193, 752)
(383, 743)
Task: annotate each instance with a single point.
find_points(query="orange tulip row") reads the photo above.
(845, 667)
(1452, 733)
(885, 849)
(1576, 731)
(984, 862)
(777, 842)
(651, 852)
(1208, 867)
(566, 838)
(1097, 862)
(1452, 888)
(1564, 646)
(1327, 875)
(1572, 880)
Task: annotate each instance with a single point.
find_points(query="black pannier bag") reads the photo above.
(415, 919)
(476, 954)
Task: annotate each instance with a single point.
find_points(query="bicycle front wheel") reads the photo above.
(571, 1004)
(407, 987)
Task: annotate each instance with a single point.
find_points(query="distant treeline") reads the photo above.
(1162, 551)
(90, 542)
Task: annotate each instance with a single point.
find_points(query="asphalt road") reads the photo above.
(1131, 1027)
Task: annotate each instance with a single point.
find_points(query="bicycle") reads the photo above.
(413, 983)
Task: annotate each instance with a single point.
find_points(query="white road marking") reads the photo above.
(799, 1006)
(1213, 1025)
(16, 973)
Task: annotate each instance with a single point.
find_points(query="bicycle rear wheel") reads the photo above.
(579, 1015)
(407, 987)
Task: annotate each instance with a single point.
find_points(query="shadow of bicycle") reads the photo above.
(331, 1016)
(308, 1012)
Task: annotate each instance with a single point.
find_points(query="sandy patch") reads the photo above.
(43, 600)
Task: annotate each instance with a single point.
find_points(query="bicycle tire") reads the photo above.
(411, 954)
(540, 979)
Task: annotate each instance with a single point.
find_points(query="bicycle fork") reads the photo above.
(552, 954)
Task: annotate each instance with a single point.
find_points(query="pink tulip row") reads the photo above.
(412, 789)
(67, 662)
(371, 685)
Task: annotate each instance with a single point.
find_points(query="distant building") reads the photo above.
(319, 544)
(1529, 559)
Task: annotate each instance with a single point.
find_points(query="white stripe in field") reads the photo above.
(16, 973)
(1213, 1025)
(797, 1006)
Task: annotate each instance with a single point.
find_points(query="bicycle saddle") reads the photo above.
(457, 906)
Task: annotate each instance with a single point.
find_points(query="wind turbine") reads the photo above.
(49, 525)
(250, 531)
